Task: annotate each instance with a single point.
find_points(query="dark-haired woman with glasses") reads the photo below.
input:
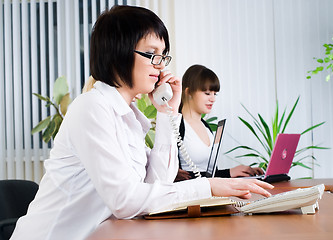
(99, 166)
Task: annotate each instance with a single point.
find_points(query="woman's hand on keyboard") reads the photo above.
(226, 187)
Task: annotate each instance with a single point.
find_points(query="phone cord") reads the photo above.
(180, 143)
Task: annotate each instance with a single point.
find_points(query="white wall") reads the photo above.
(262, 50)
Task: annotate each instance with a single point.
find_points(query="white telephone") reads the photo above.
(162, 94)
(304, 198)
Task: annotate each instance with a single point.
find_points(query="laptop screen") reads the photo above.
(283, 154)
(211, 168)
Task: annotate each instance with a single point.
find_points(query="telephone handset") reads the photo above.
(162, 94)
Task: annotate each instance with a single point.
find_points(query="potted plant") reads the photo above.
(266, 135)
(60, 101)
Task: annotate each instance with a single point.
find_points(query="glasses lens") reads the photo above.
(167, 60)
(157, 59)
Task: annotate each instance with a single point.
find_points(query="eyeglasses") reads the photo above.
(156, 59)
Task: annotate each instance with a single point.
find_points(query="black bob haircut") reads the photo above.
(114, 38)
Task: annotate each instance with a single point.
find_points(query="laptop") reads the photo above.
(211, 167)
(281, 158)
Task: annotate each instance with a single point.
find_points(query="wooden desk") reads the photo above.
(287, 225)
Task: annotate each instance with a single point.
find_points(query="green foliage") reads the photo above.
(144, 104)
(266, 135)
(325, 63)
(61, 100)
(211, 122)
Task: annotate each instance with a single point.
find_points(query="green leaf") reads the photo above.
(248, 155)
(263, 165)
(313, 127)
(328, 77)
(254, 119)
(243, 147)
(60, 89)
(47, 99)
(275, 126)
(150, 138)
(212, 126)
(268, 136)
(254, 132)
(47, 134)
(306, 157)
(57, 120)
(212, 119)
(64, 102)
(320, 60)
(150, 112)
(327, 60)
(142, 104)
(281, 120)
(253, 164)
(308, 77)
(321, 68)
(300, 164)
(41, 125)
(289, 116)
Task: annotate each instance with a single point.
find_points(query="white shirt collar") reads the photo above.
(119, 104)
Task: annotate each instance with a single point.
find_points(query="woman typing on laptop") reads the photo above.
(199, 88)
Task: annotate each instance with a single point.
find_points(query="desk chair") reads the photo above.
(15, 197)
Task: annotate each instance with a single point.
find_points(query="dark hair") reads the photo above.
(114, 37)
(198, 77)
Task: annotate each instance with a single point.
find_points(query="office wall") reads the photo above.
(260, 49)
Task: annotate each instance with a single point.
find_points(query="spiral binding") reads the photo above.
(180, 143)
(239, 203)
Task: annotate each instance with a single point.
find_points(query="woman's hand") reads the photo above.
(182, 175)
(227, 187)
(176, 86)
(245, 171)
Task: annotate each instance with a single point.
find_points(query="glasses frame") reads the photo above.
(166, 59)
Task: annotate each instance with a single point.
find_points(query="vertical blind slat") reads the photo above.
(26, 92)
(51, 52)
(77, 47)
(69, 36)
(9, 91)
(60, 37)
(93, 11)
(17, 90)
(102, 6)
(2, 100)
(86, 39)
(111, 3)
(34, 88)
(42, 65)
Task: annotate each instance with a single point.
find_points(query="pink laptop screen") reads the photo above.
(283, 154)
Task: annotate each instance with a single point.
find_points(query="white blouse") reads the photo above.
(196, 148)
(100, 167)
